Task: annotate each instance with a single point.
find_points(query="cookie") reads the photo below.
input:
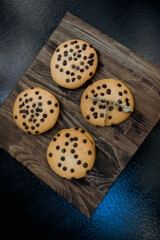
(94, 111)
(35, 110)
(117, 101)
(71, 154)
(73, 63)
(113, 90)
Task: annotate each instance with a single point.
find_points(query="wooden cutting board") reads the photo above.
(114, 145)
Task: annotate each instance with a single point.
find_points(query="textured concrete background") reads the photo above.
(131, 210)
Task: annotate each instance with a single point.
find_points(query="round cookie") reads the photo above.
(113, 90)
(94, 111)
(73, 63)
(107, 102)
(71, 154)
(35, 110)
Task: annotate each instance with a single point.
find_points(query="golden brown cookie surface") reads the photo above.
(113, 102)
(73, 63)
(71, 154)
(35, 110)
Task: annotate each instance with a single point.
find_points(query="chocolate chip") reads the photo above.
(75, 59)
(102, 94)
(81, 70)
(65, 53)
(75, 138)
(57, 147)
(74, 54)
(125, 91)
(61, 69)
(37, 124)
(77, 46)
(56, 66)
(29, 132)
(50, 154)
(64, 168)
(62, 158)
(63, 150)
(84, 46)
(92, 91)
(71, 50)
(128, 104)
(85, 165)
(37, 92)
(108, 91)
(82, 63)
(65, 45)
(86, 97)
(95, 95)
(75, 145)
(101, 115)
(79, 162)
(45, 115)
(72, 42)
(33, 105)
(79, 55)
(72, 170)
(24, 116)
(25, 95)
(57, 50)
(90, 63)
(86, 67)
(39, 104)
(32, 110)
(64, 63)
(58, 134)
(70, 58)
(92, 109)
(32, 115)
(78, 77)
(49, 102)
(75, 41)
(59, 164)
(66, 143)
(84, 140)
(120, 93)
(32, 127)
(89, 152)
(119, 101)
(20, 99)
(73, 79)
(32, 87)
(126, 99)
(98, 87)
(95, 115)
(91, 55)
(110, 108)
(75, 156)
(94, 102)
(15, 116)
(91, 73)
(67, 135)
(37, 114)
(73, 66)
(88, 117)
(67, 80)
(109, 117)
(90, 45)
(67, 72)
(42, 120)
(104, 85)
(77, 68)
(72, 151)
(119, 85)
(85, 57)
(120, 109)
(59, 57)
(51, 110)
(71, 139)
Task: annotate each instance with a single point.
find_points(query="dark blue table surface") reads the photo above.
(28, 207)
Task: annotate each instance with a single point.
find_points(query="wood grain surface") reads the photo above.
(114, 145)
